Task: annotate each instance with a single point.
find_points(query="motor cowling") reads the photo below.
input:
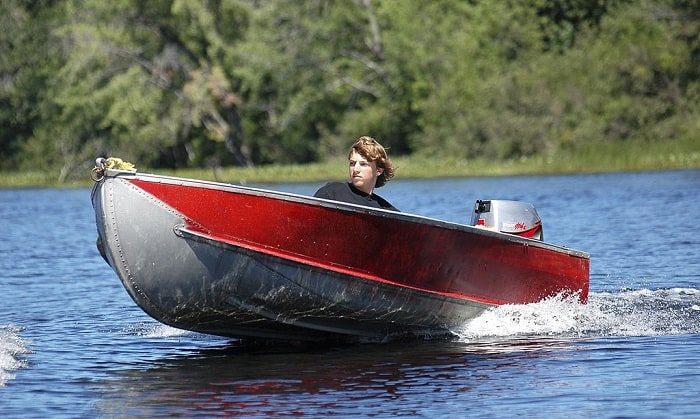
(512, 217)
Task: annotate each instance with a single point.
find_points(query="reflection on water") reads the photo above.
(236, 381)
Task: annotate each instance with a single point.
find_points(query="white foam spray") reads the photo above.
(154, 330)
(624, 313)
(12, 348)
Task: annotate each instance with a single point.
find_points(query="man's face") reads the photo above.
(363, 174)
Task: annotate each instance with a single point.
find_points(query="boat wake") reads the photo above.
(12, 347)
(644, 312)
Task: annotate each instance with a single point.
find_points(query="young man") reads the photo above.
(370, 168)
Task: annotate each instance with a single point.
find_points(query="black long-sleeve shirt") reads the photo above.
(345, 192)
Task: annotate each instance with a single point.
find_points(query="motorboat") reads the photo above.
(246, 262)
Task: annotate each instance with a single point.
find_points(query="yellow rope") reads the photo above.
(119, 164)
(101, 164)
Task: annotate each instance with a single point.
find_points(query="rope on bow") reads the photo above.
(115, 163)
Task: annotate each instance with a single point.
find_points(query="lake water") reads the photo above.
(73, 344)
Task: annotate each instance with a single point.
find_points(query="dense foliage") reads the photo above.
(187, 83)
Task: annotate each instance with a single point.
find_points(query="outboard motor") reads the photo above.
(512, 217)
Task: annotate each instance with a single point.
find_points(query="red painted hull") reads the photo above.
(356, 271)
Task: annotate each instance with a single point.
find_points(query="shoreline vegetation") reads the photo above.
(258, 92)
(598, 158)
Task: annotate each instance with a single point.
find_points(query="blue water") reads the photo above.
(73, 344)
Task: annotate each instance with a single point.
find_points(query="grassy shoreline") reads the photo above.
(611, 157)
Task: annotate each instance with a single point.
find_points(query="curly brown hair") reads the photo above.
(370, 149)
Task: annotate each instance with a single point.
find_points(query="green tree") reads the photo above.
(149, 81)
(633, 78)
(27, 62)
(319, 74)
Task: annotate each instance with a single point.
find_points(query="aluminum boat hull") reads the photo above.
(244, 262)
